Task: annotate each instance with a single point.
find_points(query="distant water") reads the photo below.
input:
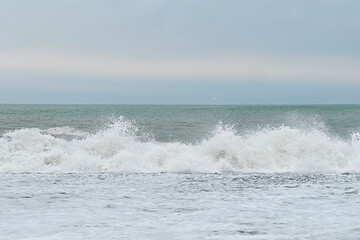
(179, 172)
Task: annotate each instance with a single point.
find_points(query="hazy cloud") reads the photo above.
(246, 67)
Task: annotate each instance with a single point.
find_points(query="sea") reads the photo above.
(179, 172)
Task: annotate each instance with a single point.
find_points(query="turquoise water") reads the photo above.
(172, 138)
(183, 123)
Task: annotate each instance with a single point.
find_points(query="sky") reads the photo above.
(180, 51)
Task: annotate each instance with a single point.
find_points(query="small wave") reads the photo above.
(65, 131)
(119, 148)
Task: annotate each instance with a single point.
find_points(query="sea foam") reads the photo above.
(120, 148)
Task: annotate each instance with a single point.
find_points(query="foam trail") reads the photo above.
(119, 149)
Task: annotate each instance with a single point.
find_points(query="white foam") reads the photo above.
(66, 130)
(119, 149)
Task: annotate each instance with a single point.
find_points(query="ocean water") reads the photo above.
(179, 172)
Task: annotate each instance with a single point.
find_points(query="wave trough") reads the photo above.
(118, 148)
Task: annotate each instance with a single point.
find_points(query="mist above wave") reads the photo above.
(119, 147)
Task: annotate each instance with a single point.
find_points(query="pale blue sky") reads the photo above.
(199, 51)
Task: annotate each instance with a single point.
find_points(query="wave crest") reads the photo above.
(120, 148)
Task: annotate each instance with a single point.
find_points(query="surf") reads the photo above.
(121, 147)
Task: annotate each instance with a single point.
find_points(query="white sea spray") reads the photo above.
(120, 148)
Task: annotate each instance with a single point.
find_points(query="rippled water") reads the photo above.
(179, 206)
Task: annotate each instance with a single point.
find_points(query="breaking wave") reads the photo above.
(120, 148)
